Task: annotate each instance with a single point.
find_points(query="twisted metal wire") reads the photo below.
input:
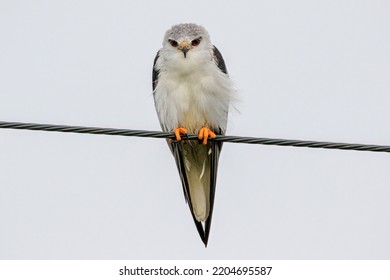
(221, 138)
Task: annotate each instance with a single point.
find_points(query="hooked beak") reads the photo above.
(184, 47)
(185, 50)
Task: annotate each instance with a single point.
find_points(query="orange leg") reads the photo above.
(178, 131)
(205, 133)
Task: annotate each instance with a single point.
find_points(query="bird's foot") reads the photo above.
(178, 131)
(205, 133)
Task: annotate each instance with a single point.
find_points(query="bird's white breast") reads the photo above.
(190, 95)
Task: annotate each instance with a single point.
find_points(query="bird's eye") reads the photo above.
(196, 42)
(173, 43)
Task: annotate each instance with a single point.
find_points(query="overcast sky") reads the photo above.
(312, 70)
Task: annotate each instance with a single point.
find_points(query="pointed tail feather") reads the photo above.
(202, 218)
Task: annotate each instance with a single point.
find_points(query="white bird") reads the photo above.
(192, 94)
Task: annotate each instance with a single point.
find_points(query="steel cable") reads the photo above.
(222, 138)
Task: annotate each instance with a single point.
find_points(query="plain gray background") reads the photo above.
(313, 70)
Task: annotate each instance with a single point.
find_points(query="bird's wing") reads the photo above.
(214, 158)
(219, 60)
(215, 151)
(155, 72)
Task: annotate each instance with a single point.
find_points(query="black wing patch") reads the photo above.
(219, 60)
(155, 72)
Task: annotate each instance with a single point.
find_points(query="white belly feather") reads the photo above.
(193, 99)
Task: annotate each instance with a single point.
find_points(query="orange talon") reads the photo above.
(205, 133)
(178, 131)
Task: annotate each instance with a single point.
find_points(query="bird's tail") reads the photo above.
(197, 163)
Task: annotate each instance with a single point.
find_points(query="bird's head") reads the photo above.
(186, 41)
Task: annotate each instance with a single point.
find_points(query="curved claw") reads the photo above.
(205, 133)
(178, 131)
